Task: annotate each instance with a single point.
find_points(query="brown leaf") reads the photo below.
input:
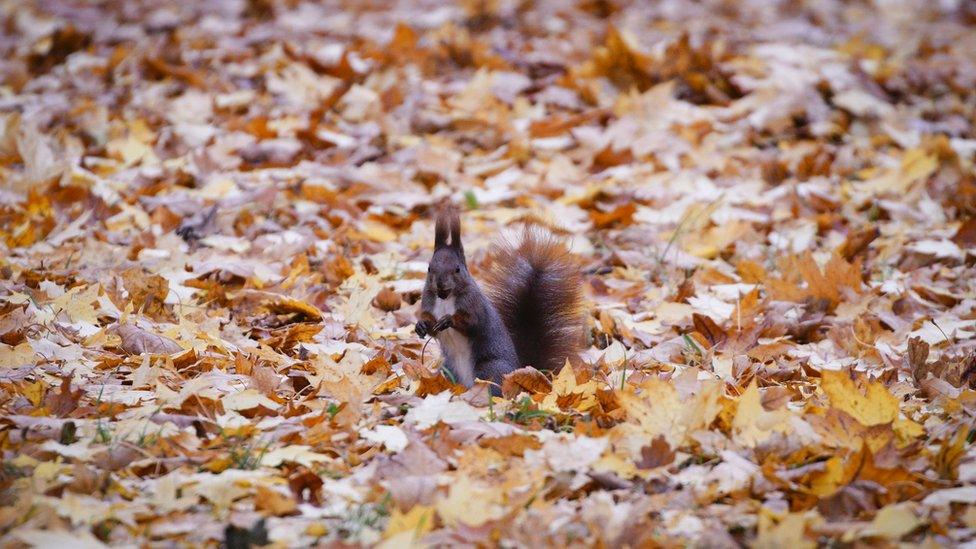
(64, 401)
(858, 241)
(116, 457)
(264, 379)
(918, 353)
(621, 215)
(338, 270)
(274, 503)
(287, 338)
(751, 272)
(803, 280)
(708, 328)
(286, 305)
(306, 486)
(137, 341)
(526, 379)
(685, 290)
(511, 445)
(147, 291)
(162, 69)
(609, 157)
(776, 397)
(60, 44)
(965, 236)
(658, 454)
(87, 480)
(556, 125)
(849, 501)
(378, 364)
(436, 384)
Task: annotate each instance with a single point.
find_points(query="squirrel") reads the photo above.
(531, 315)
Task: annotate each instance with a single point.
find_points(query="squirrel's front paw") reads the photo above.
(422, 328)
(442, 324)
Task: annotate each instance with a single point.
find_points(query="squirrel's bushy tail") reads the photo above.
(535, 284)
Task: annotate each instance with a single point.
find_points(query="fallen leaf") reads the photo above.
(526, 379)
(872, 407)
(137, 341)
(273, 503)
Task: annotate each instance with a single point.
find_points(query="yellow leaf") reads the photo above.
(469, 502)
(789, 531)
(907, 429)
(34, 392)
(316, 530)
(247, 400)
(378, 232)
(752, 424)
(14, 357)
(219, 188)
(218, 465)
(565, 381)
(709, 243)
(567, 393)
(273, 502)
(916, 165)
(619, 465)
(833, 477)
(875, 407)
(418, 520)
(891, 522)
(79, 303)
(660, 410)
(136, 146)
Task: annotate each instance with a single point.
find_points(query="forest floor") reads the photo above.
(215, 221)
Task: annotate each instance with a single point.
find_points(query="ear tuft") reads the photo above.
(448, 225)
(442, 227)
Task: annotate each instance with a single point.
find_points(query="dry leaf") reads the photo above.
(273, 503)
(137, 341)
(872, 406)
(526, 379)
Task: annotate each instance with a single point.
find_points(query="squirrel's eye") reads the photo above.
(457, 269)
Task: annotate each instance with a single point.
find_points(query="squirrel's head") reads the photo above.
(448, 272)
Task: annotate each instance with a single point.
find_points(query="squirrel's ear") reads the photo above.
(441, 229)
(448, 225)
(456, 233)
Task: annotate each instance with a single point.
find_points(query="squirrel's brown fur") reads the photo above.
(534, 282)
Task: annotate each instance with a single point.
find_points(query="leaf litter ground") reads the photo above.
(215, 223)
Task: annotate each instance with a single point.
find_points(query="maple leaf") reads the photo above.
(568, 393)
(659, 410)
(875, 406)
(64, 401)
(805, 280)
(753, 424)
(656, 455)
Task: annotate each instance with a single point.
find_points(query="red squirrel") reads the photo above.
(531, 314)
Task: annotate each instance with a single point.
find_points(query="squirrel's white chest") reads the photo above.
(456, 348)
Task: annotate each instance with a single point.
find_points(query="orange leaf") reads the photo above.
(621, 215)
(274, 503)
(526, 379)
